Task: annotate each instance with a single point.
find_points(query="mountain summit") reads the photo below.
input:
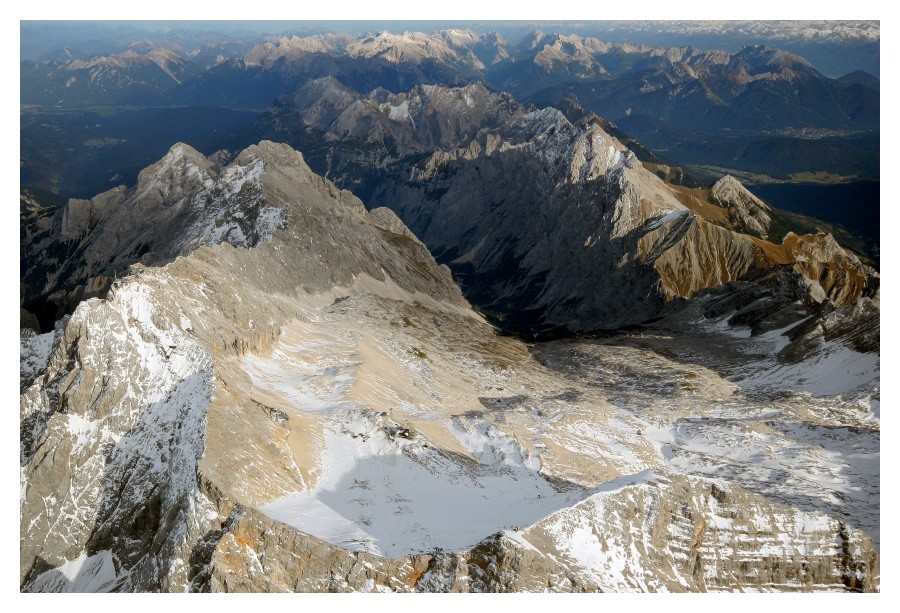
(745, 210)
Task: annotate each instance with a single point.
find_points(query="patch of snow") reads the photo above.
(96, 573)
(814, 468)
(312, 375)
(84, 430)
(34, 352)
(721, 326)
(519, 539)
(395, 499)
(226, 212)
(778, 339)
(599, 541)
(399, 112)
(614, 159)
(832, 371)
(874, 407)
(236, 176)
(268, 219)
(490, 446)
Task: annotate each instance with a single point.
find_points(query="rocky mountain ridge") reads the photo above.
(120, 78)
(745, 210)
(177, 433)
(420, 120)
(561, 209)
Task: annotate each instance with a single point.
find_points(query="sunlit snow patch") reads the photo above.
(664, 219)
(34, 351)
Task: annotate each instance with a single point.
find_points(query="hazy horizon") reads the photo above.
(41, 37)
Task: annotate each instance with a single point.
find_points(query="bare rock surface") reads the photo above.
(565, 228)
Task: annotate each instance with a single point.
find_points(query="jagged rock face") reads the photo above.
(548, 221)
(525, 211)
(425, 118)
(180, 203)
(698, 544)
(258, 555)
(319, 102)
(701, 536)
(119, 405)
(835, 275)
(696, 256)
(123, 424)
(323, 411)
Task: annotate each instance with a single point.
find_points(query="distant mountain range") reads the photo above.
(758, 109)
(835, 46)
(712, 90)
